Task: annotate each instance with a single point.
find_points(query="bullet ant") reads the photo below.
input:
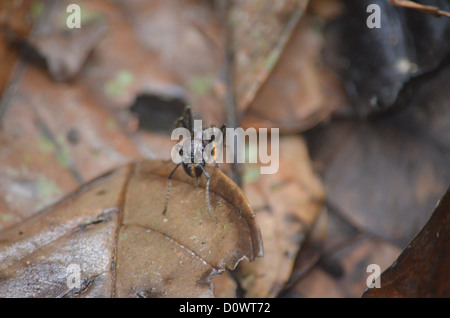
(194, 166)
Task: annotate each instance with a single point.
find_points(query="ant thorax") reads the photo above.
(196, 150)
(191, 150)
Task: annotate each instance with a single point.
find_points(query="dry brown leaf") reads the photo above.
(311, 249)
(260, 30)
(66, 51)
(354, 259)
(44, 158)
(166, 48)
(16, 21)
(423, 268)
(300, 91)
(288, 204)
(31, 176)
(114, 230)
(384, 175)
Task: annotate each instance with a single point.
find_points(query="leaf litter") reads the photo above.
(95, 132)
(123, 243)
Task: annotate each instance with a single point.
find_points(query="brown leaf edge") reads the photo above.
(224, 187)
(220, 185)
(423, 268)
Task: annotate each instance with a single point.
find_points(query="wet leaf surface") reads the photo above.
(114, 230)
(423, 268)
(376, 63)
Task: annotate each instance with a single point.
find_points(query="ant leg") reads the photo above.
(223, 131)
(214, 143)
(187, 116)
(208, 177)
(214, 156)
(185, 121)
(169, 188)
(180, 123)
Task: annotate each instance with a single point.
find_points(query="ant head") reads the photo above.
(190, 151)
(182, 149)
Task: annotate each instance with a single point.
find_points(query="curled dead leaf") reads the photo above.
(261, 30)
(113, 230)
(423, 268)
(301, 87)
(65, 52)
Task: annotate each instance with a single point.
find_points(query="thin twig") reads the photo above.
(434, 11)
(233, 118)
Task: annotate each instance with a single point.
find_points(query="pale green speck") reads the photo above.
(48, 189)
(27, 158)
(36, 9)
(120, 83)
(45, 145)
(251, 174)
(197, 214)
(111, 124)
(200, 85)
(64, 157)
(4, 217)
(271, 61)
